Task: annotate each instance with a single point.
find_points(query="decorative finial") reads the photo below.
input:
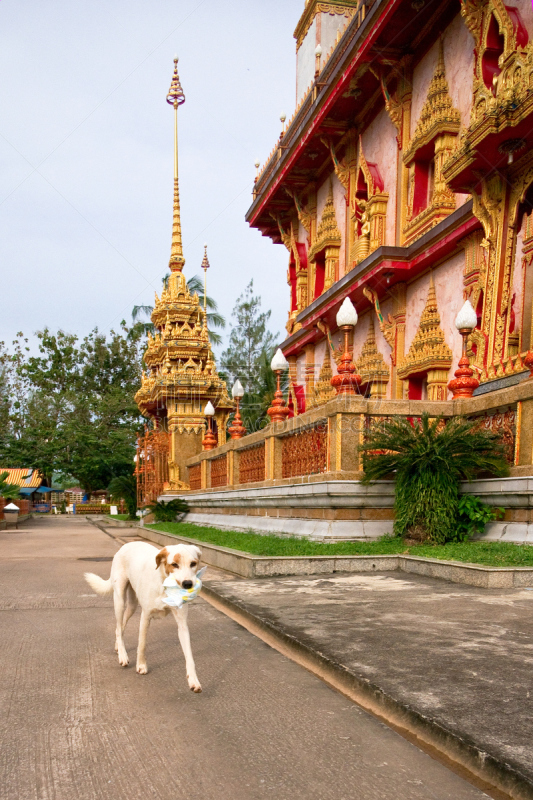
(205, 267)
(205, 260)
(175, 98)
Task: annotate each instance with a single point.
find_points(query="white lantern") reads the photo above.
(237, 390)
(209, 410)
(466, 319)
(347, 315)
(279, 362)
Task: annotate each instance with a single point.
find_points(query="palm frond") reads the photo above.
(138, 311)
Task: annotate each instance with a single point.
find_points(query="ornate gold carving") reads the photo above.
(323, 390)
(368, 214)
(438, 124)
(342, 171)
(252, 464)
(429, 352)
(305, 452)
(371, 365)
(328, 241)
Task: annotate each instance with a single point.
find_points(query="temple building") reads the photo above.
(403, 183)
(181, 373)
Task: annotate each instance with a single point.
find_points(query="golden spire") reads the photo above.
(205, 267)
(176, 97)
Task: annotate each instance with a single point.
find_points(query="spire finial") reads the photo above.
(205, 267)
(176, 97)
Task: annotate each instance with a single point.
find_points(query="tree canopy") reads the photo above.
(70, 410)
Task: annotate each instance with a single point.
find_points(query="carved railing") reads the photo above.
(503, 422)
(219, 471)
(195, 476)
(151, 469)
(252, 464)
(305, 452)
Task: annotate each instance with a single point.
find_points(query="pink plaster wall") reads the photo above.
(448, 280)
(305, 62)
(380, 147)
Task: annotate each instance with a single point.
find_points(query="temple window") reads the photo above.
(320, 274)
(369, 209)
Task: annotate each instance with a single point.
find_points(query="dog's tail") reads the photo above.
(98, 584)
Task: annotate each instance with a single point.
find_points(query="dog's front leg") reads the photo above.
(142, 669)
(180, 615)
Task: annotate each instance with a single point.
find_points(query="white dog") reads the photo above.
(137, 574)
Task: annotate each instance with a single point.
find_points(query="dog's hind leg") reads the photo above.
(142, 669)
(119, 597)
(131, 605)
(180, 615)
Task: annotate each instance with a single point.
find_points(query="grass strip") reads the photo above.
(492, 554)
(118, 516)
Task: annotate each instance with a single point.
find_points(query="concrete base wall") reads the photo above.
(345, 510)
(317, 530)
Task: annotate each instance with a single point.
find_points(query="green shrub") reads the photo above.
(473, 516)
(428, 460)
(170, 511)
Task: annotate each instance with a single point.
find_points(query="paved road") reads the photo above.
(76, 726)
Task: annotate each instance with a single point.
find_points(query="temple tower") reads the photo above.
(181, 372)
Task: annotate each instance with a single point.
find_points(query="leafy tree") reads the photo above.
(194, 284)
(428, 460)
(249, 342)
(124, 487)
(70, 408)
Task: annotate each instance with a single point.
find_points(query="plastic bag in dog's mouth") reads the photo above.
(176, 596)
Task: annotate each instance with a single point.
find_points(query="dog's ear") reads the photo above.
(198, 552)
(161, 556)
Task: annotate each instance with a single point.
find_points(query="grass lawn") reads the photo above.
(494, 554)
(118, 516)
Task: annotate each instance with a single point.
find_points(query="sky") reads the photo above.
(86, 153)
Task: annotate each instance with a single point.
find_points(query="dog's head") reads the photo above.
(181, 561)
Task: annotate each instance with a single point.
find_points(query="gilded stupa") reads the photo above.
(181, 373)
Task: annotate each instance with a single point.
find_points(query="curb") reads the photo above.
(249, 566)
(425, 733)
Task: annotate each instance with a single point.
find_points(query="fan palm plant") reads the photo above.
(429, 459)
(194, 284)
(8, 490)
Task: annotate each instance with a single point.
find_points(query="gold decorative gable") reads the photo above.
(438, 114)
(323, 390)
(328, 241)
(429, 354)
(345, 8)
(371, 365)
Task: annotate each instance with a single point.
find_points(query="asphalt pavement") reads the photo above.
(74, 725)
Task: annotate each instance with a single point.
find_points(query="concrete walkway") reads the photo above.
(437, 658)
(76, 726)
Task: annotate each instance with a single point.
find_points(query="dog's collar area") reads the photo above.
(176, 596)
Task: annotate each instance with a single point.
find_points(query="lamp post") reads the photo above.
(278, 411)
(464, 383)
(347, 381)
(209, 441)
(237, 430)
(318, 54)
(205, 267)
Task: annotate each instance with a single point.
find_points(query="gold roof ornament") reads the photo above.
(176, 98)
(371, 364)
(182, 374)
(323, 390)
(428, 350)
(328, 233)
(438, 114)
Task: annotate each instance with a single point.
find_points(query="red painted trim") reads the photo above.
(407, 269)
(360, 56)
